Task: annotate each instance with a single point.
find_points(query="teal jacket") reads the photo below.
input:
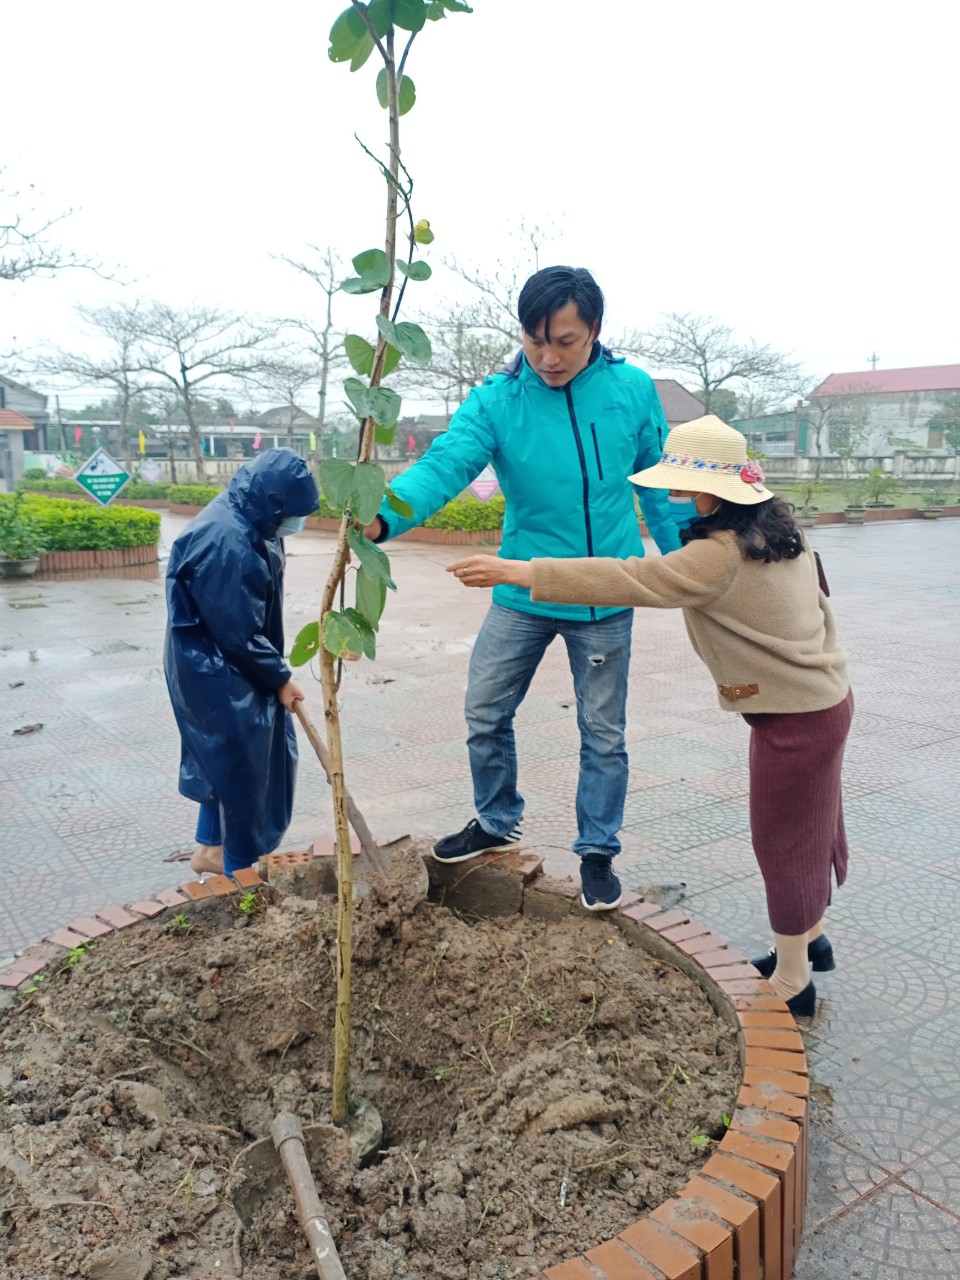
(562, 456)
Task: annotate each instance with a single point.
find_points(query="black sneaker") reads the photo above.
(601, 888)
(472, 841)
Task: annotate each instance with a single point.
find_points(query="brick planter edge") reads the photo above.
(742, 1214)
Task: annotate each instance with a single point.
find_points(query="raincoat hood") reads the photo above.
(275, 485)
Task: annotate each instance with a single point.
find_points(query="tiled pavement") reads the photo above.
(90, 810)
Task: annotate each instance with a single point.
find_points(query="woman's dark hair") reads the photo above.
(552, 288)
(765, 530)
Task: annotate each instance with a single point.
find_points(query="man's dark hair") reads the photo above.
(552, 288)
(764, 530)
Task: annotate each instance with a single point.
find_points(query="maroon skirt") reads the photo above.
(796, 810)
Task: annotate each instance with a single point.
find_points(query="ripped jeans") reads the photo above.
(505, 656)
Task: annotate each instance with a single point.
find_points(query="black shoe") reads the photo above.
(601, 888)
(804, 1003)
(472, 841)
(819, 953)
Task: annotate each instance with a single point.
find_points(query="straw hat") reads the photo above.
(707, 456)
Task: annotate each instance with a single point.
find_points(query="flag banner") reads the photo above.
(143, 443)
(256, 439)
(77, 435)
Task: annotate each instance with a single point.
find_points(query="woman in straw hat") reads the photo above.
(750, 590)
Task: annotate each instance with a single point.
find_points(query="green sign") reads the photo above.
(102, 476)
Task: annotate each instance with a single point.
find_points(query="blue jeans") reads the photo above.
(209, 830)
(506, 654)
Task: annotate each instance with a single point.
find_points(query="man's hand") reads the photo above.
(374, 529)
(491, 571)
(290, 693)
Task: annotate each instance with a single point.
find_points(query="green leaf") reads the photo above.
(409, 14)
(384, 435)
(415, 270)
(409, 338)
(437, 9)
(371, 598)
(362, 51)
(336, 478)
(306, 645)
(358, 393)
(391, 360)
(422, 233)
(358, 284)
(383, 406)
(347, 36)
(372, 559)
(367, 634)
(406, 93)
(398, 505)
(373, 265)
(380, 14)
(340, 635)
(366, 493)
(360, 354)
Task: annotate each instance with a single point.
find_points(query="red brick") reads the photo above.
(761, 1124)
(767, 1018)
(784, 1081)
(640, 910)
(776, 1058)
(170, 898)
(776, 1156)
(67, 938)
(118, 917)
(724, 973)
(703, 1230)
(572, 1269)
(701, 942)
(675, 1260)
(11, 978)
(220, 885)
(326, 846)
(89, 927)
(682, 932)
(147, 907)
(247, 878)
(766, 1190)
(617, 1263)
(770, 1099)
(753, 985)
(721, 956)
(741, 1214)
(774, 1038)
(628, 898)
(666, 919)
(761, 1002)
(196, 890)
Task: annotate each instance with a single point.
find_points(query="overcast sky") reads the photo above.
(786, 168)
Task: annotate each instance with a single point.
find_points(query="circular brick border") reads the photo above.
(118, 558)
(742, 1215)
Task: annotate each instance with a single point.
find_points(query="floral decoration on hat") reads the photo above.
(752, 473)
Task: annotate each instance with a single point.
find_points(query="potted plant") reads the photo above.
(879, 487)
(805, 512)
(931, 504)
(21, 541)
(853, 511)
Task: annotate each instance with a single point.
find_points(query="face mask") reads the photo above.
(683, 510)
(292, 524)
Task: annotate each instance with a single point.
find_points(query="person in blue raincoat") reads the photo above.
(231, 690)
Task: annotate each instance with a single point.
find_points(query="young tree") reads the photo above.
(357, 489)
(708, 357)
(199, 347)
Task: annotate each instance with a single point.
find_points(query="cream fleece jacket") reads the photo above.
(753, 624)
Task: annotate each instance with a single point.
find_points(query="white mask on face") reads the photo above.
(291, 525)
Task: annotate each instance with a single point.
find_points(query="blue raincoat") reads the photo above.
(223, 655)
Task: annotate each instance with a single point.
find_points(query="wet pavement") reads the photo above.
(90, 812)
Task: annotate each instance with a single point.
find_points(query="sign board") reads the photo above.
(485, 485)
(102, 477)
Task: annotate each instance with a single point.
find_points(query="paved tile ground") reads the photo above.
(90, 810)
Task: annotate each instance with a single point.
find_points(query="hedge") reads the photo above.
(468, 514)
(188, 495)
(192, 495)
(80, 526)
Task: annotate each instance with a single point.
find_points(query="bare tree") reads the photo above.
(325, 343)
(839, 423)
(288, 380)
(28, 243)
(707, 356)
(496, 289)
(199, 346)
(119, 325)
(462, 359)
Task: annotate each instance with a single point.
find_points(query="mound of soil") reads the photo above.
(540, 1086)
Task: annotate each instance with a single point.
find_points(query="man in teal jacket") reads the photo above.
(563, 426)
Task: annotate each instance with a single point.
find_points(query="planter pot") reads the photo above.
(854, 515)
(19, 568)
(930, 513)
(805, 521)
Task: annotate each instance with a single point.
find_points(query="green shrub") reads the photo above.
(470, 514)
(30, 482)
(81, 526)
(191, 495)
(34, 473)
(21, 535)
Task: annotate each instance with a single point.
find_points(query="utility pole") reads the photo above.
(873, 360)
